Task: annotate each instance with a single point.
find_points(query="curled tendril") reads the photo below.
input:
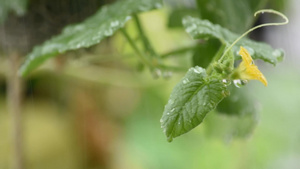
(286, 21)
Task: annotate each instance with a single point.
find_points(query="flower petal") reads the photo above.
(248, 70)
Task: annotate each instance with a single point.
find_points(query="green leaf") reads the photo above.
(191, 99)
(203, 29)
(90, 32)
(238, 103)
(176, 16)
(17, 6)
(205, 52)
(237, 116)
(229, 127)
(234, 15)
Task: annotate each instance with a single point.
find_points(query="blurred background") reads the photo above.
(100, 108)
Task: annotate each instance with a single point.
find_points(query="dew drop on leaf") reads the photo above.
(173, 110)
(239, 83)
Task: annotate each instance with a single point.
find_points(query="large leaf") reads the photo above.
(234, 15)
(203, 29)
(101, 25)
(17, 6)
(191, 99)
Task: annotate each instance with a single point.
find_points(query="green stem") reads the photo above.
(178, 51)
(135, 48)
(172, 68)
(258, 26)
(146, 42)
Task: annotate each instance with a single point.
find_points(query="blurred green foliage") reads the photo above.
(91, 108)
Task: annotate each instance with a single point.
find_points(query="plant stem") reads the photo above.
(258, 26)
(14, 107)
(142, 57)
(146, 42)
(178, 51)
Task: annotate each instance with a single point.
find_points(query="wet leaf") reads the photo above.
(90, 32)
(203, 29)
(191, 99)
(236, 16)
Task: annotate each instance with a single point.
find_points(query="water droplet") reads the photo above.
(156, 73)
(185, 81)
(168, 113)
(78, 45)
(239, 83)
(172, 110)
(179, 123)
(161, 120)
(204, 104)
(108, 32)
(196, 69)
(171, 101)
(191, 28)
(114, 23)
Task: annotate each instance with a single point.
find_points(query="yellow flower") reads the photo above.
(248, 70)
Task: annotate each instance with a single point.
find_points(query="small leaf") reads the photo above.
(191, 99)
(90, 32)
(203, 29)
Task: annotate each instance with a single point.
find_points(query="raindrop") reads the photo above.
(168, 113)
(172, 110)
(239, 83)
(114, 23)
(179, 123)
(171, 101)
(191, 28)
(78, 45)
(226, 82)
(161, 120)
(156, 73)
(197, 69)
(108, 32)
(185, 81)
